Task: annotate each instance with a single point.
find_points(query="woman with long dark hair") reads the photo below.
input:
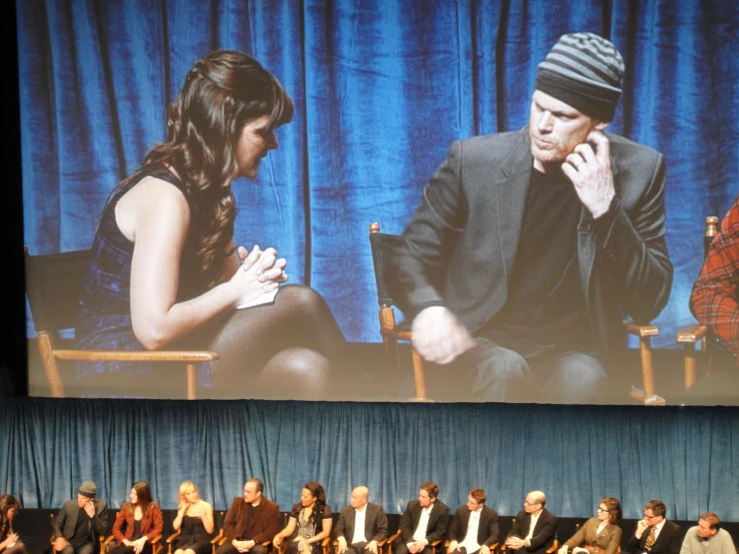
(165, 271)
(10, 542)
(138, 522)
(600, 534)
(309, 523)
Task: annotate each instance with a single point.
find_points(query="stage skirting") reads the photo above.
(688, 457)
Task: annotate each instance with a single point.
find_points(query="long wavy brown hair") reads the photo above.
(222, 92)
(143, 498)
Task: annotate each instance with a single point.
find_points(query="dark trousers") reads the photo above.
(399, 547)
(123, 549)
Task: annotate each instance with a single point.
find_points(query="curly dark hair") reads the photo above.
(7, 502)
(222, 92)
(317, 491)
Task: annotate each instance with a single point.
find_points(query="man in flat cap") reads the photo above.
(529, 247)
(80, 522)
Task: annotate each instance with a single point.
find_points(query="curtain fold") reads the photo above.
(688, 457)
(381, 89)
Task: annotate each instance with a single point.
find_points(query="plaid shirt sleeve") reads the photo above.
(715, 297)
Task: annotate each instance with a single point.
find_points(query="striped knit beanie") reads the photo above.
(584, 71)
(88, 489)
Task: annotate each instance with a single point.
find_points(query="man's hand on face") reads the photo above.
(90, 509)
(590, 172)
(439, 337)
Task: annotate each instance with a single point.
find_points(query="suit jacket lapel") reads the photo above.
(510, 197)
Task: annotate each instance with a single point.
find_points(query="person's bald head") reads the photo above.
(534, 502)
(359, 497)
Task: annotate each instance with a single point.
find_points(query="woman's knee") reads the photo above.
(300, 298)
(296, 373)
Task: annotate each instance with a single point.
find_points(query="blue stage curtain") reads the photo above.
(688, 457)
(381, 89)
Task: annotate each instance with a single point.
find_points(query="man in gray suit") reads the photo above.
(80, 522)
(529, 247)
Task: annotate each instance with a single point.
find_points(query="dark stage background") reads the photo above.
(381, 90)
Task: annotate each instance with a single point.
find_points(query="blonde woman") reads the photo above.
(194, 521)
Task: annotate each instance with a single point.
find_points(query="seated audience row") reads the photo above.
(253, 522)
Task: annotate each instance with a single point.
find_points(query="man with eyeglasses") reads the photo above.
(534, 527)
(707, 537)
(655, 534)
(474, 527)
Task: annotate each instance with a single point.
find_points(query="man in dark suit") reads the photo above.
(361, 525)
(474, 527)
(530, 246)
(534, 528)
(423, 522)
(654, 534)
(80, 522)
(251, 520)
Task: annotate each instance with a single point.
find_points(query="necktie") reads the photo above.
(650, 539)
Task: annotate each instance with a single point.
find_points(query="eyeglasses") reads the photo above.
(527, 503)
(601, 510)
(648, 516)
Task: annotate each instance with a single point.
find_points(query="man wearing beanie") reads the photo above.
(80, 522)
(529, 247)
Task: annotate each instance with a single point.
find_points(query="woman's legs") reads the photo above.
(281, 350)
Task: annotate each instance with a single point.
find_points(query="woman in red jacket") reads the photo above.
(138, 522)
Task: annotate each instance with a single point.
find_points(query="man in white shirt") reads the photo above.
(707, 537)
(474, 527)
(423, 522)
(534, 528)
(361, 525)
(655, 534)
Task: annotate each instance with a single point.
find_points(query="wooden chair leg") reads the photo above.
(192, 382)
(690, 364)
(647, 369)
(419, 378)
(46, 349)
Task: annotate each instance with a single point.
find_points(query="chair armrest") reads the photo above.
(136, 356)
(691, 333)
(641, 330)
(108, 540)
(555, 544)
(393, 537)
(173, 536)
(156, 539)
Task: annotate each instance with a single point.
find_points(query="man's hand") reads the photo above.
(372, 547)
(454, 545)
(341, 546)
(591, 173)
(641, 526)
(138, 545)
(562, 550)
(484, 549)
(438, 336)
(514, 543)
(90, 509)
(60, 543)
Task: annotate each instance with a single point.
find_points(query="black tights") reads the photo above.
(282, 350)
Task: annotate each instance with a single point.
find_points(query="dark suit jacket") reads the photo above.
(480, 192)
(375, 523)
(609, 539)
(668, 541)
(438, 521)
(487, 531)
(66, 520)
(544, 532)
(264, 526)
